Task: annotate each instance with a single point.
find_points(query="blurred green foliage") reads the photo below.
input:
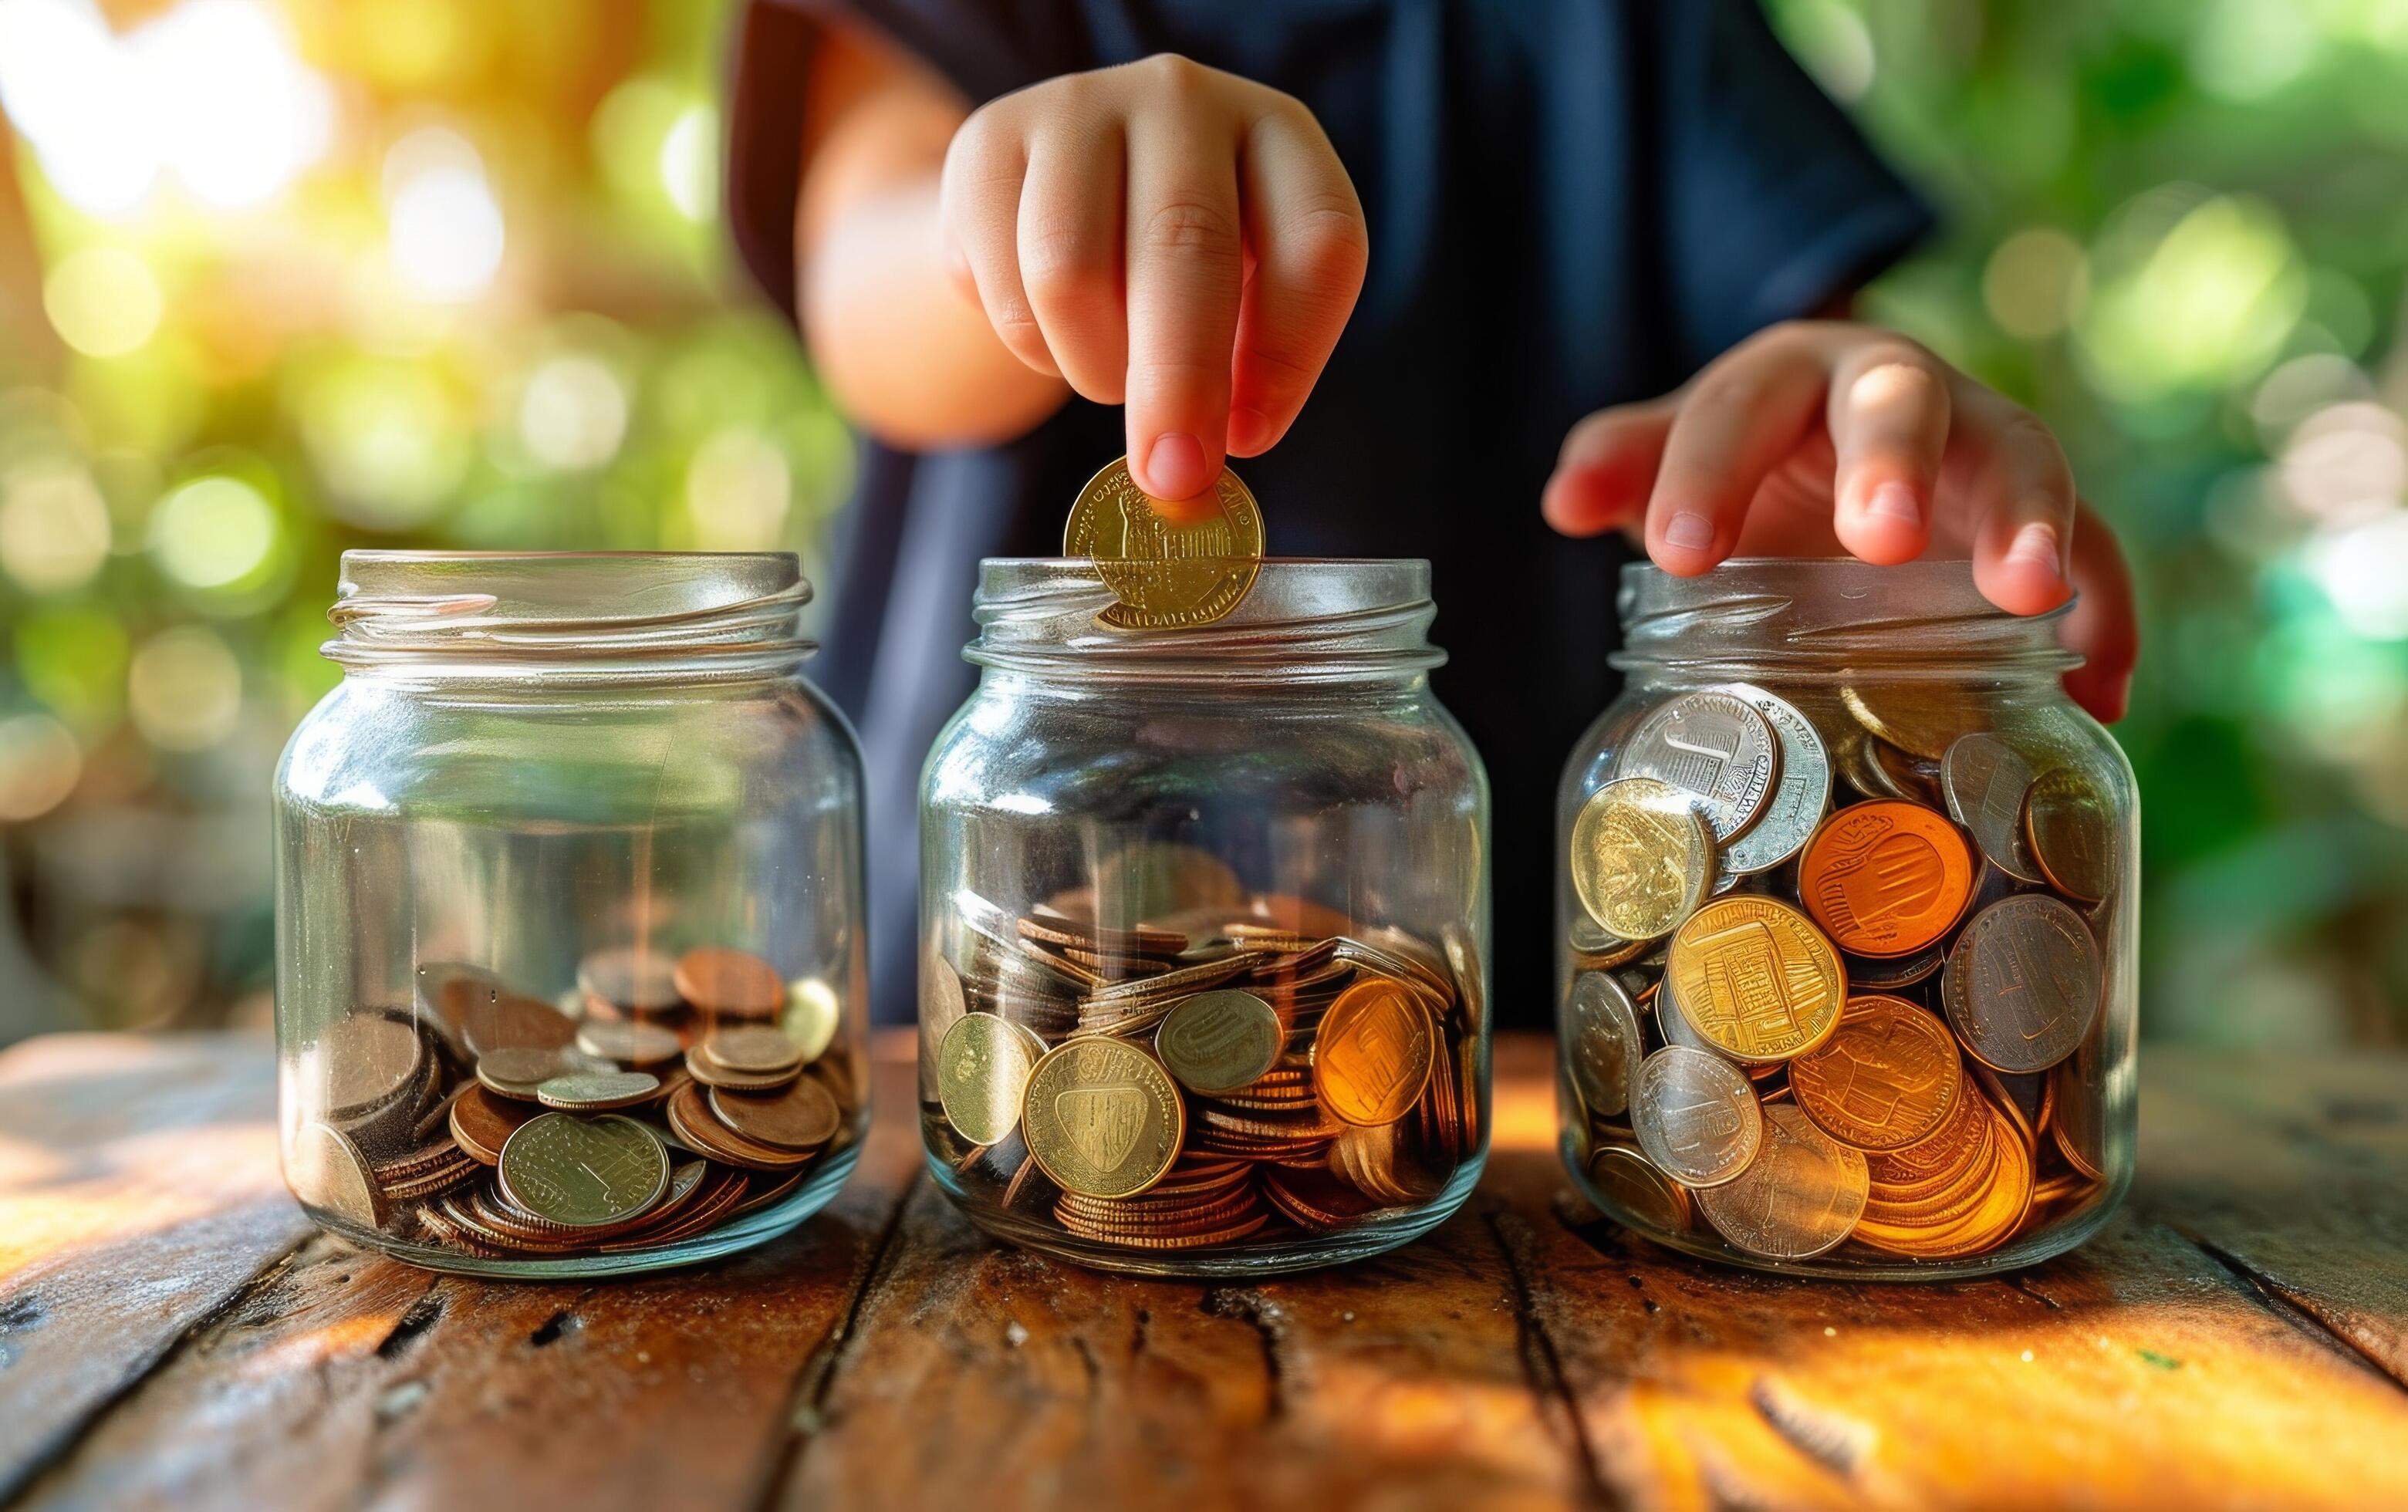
(277, 279)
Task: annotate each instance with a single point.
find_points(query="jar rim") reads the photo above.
(610, 615)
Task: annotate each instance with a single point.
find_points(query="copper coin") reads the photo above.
(501, 1022)
(734, 982)
(1374, 1053)
(1885, 877)
(1631, 1188)
(518, 1073)
(633, 977)
(1885, 1079)
(754, 1050)
(803, 1117)
(481, 1121)
(2022, 983)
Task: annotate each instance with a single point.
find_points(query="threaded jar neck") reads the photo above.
(1830, 619)
(1306, 621)
(582, 618)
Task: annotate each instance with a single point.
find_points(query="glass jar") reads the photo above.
(1849, 909)
(569, 967)
(1204, 921)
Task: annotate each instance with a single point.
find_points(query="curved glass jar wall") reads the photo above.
(1205, 921)
(1849, 911)
(569, 964)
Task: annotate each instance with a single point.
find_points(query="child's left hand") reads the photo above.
(1816, 438)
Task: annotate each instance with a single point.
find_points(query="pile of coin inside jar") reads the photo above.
(1809, 1013)
(1210, 1078)
(667, 1097)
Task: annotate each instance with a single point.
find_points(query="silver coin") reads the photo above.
(1799, 799)
(1985, 779)
(1603, 1043)
(1696, 1117)
(2022, 983)
(1876, 974)
(596, 1092)
(1800, 1197)
(1673, 1025)
(1713, 746)
(629, 1041)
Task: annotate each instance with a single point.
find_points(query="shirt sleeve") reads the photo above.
(982, 48)
(1775, 204)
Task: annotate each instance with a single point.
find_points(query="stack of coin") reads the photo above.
(666, 1095)
(1202, 1078)
(1166, 577)
(1818, 1013)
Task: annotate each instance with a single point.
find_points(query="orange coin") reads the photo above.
(1375, 1053)
(737, 982)
(1887, 1080)
(1885, 877)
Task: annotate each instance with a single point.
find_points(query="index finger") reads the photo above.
(1184, 278)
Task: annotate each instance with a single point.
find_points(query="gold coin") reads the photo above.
(1375, 1053)
(1756, 979)
(1166, 577)
(584, 1173)
(1102, 1118)
(1799, 1197)
(1642, 856)
(1219, 1041)
(1628, 1184)
(2072, 832)
(326, 1169)
(942, 1002)
(1922, 718)
(1887, 1079)
(982, 1071)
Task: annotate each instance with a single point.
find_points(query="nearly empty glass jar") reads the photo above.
(1204, 920)
(569, 959)
(1849, 912)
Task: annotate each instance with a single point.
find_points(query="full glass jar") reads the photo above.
(569, 967)
(1849, 916)
(1204, 924)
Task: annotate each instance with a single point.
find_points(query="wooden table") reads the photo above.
(171, 1330)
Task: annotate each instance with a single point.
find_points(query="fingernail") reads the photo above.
(2036, 544)
(1894, 501)
(1249, 431)
(1689, 532)
(1174, 466)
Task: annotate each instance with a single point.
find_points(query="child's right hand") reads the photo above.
(1164, 235)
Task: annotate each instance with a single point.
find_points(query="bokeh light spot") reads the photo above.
(444, 228)
(184, 689)
(2363, 569)
(2035, 282)
(212, 533)
(738, 493)
(39, 763)
(53, 525)
(690, 162)
(573, 413)
(102, 301)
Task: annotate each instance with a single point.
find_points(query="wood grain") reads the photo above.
(2234, 1340)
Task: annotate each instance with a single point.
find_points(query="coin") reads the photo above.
(1800, 1197)
(630, 978)
(596, 1092)
(981, 1070)
(942, 1003)
(1885, 877)
(804, 1116)
(1374, 1054)
(1922, 718)
(1102, 1118)
(1625, 1180)
(584, 1173)
(732, 982)
(1801, 797)
(480, 1122)
(753, 1049)
(2022, 983)
(326, 1169)
(1755, 979)
(1166, 577)
(1605, 1046)
(1696, 1117)
(2078, 1130)
(629, 1040)
(2071, 828)
(1715, 748)
(1984, 780)
(518, 1073)
(1218, 1041)
(1642, 856)
(1874, 974)
(371, 1057)
(1885, 1078)
(509, 1023)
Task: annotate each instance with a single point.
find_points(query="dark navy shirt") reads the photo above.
(1572, 204)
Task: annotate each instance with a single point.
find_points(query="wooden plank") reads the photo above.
(984, 1377)
(2310, 1207)
(351, 1379)
(138, 1192)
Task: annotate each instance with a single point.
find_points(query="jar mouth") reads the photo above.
(613, 614)
(1305, 619)
(1831, 617)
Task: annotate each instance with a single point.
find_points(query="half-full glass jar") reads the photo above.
(1204, 922)
(1849, 911)
(569, 967)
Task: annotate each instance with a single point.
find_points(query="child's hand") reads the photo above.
(1814, 438)
(1164, 235)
